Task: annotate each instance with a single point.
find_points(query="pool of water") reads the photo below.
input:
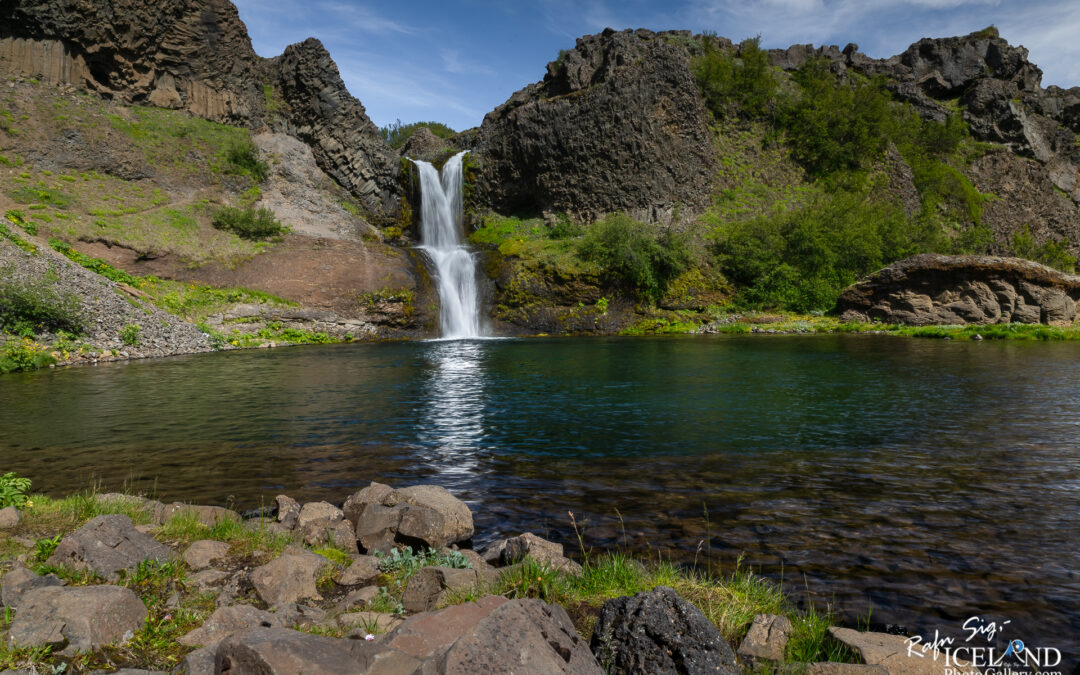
(914, 482)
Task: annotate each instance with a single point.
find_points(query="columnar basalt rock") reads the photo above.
(195, 55)
(617, 124)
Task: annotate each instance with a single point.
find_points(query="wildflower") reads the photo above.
(369, 637)
(29, 503)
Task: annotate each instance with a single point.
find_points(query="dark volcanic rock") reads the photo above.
(322, 113)
(280, 651)
(659, 632)
(617, 124)
(196, 55)
(937, 289)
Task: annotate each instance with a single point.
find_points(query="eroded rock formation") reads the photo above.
(617, 124)
(937, 289)
(196, 55)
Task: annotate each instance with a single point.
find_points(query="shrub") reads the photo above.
(248, 222)
(727, 80)
(13, 489)
(129, 334)
(243, 159)
(634, 254)
(801, 260)
(93, 264)
(1051, 253)
(24, 354)
(29, 308)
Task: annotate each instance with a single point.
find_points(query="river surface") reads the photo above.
(912, 482)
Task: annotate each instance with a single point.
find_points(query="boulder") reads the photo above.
(207, 580)
(494, 635)
(19, 581)
(206, 515)
(204, 553)
(294, 615)
(9, 518)
(932, 289)
(289, 578)
(659, 632)
(226, 621)
(199, 662)
(427, 588)
(108, 544)
(363, 569)
(891, 653)
(76, 619)
(426, 515)
(322, 522)
(528, 545)
(288, 511)
(361, 597)
(280, 651)
(766, 640)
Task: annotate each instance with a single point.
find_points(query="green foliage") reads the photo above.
(990, 31)
(564, 228)
(802, 259)
(24, 354)
(402, 563)
(19, 218)
(743, 82)
(30, 308)
(44, 548)
(6, 233)
(248, 222)
(129, 334)
(41, 194)
(13, 489)
(243, 159)
(397, 132)
(94, 264)
(635, 255)
(7, 123)
(834, 126)
(1051, 253)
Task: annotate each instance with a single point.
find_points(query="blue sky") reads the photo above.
(454, 61)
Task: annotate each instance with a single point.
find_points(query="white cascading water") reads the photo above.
(440, 236)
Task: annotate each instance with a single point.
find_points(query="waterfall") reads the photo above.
(440, 236)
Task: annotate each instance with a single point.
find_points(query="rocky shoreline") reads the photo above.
(385, 583)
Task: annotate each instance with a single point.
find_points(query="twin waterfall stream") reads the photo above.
(441, 215)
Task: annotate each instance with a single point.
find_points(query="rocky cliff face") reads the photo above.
(992, 82)
(936, 289)
(195, 55)
(616, 124)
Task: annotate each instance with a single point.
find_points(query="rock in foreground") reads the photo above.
(934, 289)
(77, 619)
(659, 632)
(108, 544)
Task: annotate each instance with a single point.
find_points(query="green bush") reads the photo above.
(801, 260)
(13, 489)
(1051, 253)
(242, 156)
(129, 334)
(24, 354)
(636, 255)
(731, 82)
(248, 222)
(397, 132)
(30, 308)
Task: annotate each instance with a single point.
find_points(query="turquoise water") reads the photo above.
(919, 482)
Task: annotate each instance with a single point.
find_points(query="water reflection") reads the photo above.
(451, 424)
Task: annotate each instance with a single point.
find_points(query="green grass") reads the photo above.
(184, 528)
